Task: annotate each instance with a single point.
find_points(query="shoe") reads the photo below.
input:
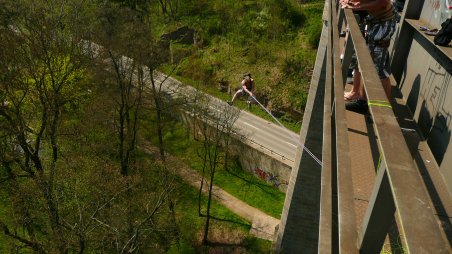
(358, 105)
(342, 34)
(230, 103)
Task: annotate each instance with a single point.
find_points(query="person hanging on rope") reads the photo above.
(247, 87)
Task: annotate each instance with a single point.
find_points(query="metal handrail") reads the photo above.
(398, 188)
(346, 206)
(326, 192)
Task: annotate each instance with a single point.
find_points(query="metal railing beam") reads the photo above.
(346, 208)
(420, 230)
(326, 208)
(380, 215)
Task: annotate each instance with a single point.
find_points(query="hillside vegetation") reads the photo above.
(77, 120)
(274, 40)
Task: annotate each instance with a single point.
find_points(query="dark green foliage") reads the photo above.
(275, 40)
(96, 205)
(314, 27)
(313, 33)
(292, 14)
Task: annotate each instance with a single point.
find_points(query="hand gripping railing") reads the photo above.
(398, 189)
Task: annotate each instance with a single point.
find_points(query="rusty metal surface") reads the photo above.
(381, 207)
(364, 159)
(407, 185)
(434, 182)
(326, 215)
(346, 212)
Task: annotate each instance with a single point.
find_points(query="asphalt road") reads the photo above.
(260, 134)
(272, 139)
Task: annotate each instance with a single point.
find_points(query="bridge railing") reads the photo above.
(398, 191)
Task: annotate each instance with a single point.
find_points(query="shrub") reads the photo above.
(195, 68)
(313, 33)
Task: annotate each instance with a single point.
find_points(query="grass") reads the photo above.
(238, 183)
(186, 204)
(251, 190)
(231, 226)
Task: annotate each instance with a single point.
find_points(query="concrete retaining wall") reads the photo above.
(275, 170)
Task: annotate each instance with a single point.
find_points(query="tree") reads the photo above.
(169, 7)
(215, 122)
(132, 48)
(41, 68)
(119, 34)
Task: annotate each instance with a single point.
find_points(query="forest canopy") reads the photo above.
(87, 130)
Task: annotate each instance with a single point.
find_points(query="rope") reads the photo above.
(291, 134)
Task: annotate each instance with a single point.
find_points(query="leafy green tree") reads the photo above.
(130, 44)
(120, 36)
(41, 69)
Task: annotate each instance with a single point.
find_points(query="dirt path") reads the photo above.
(262, 225)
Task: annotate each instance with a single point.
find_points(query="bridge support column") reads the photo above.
(299, 227)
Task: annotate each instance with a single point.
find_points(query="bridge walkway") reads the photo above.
(365, 159)
(376, 171)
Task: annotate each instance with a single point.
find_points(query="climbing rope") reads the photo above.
(288, 131)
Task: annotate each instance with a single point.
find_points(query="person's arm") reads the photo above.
(246, 89)
(348, 3)
(372, 5)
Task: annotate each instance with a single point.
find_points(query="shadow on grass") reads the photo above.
(219, 244)
(263, 186)
(227, 220)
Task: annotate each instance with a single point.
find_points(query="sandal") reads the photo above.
(431, 31)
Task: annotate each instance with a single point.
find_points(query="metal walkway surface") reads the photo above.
(365, 159)
(379, 182)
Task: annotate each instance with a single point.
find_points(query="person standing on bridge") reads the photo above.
(380, 28)
(247, 87)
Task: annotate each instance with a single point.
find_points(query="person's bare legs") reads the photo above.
(357, 88)
(362, 92)
(358, 91)
(235, 95)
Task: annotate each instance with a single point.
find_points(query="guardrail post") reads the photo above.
(347, 58)
(379, 214)
(340, 18)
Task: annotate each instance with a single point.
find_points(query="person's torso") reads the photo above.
(249, 84)
(385, 13)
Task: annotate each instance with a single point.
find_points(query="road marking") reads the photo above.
(291, 144)
(251, 125)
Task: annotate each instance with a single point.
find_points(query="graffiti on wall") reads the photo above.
(269, 177)
(435, 114)
(435, 94)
